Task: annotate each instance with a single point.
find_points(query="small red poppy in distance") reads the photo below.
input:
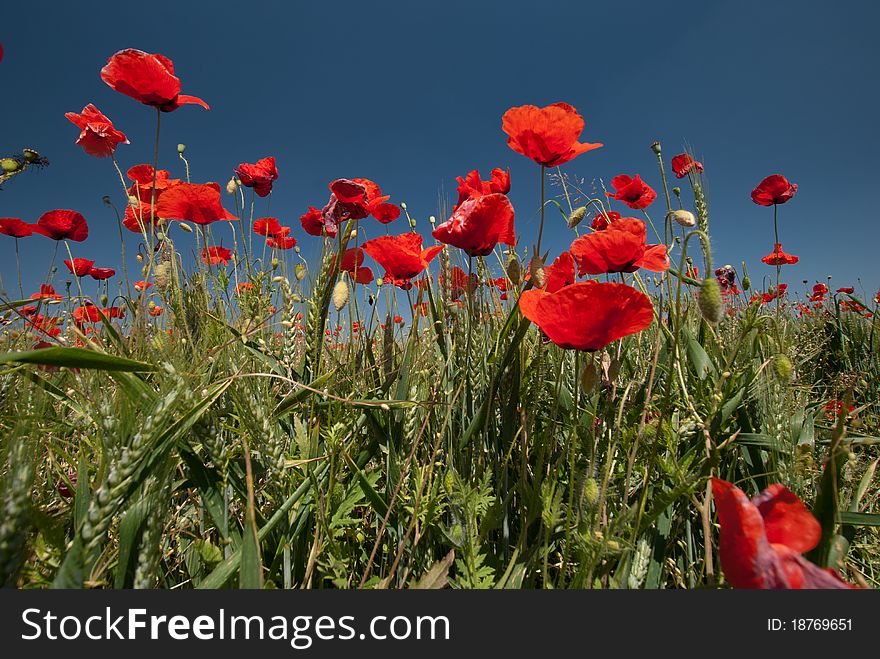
(588, 315)
(547, 135)
(313, 223)
(101, 273)
(761, 541)
(14, 227)
(402, 256)
(198, 203)
(683, 163)
(98, 137)
(147, 78)
(621, 247)
(258, 176)
(386, 213)
(47, 292)
(477, 225)
(79, 267)
(602, 220)
(270, 227)
(473, 187)
(156, 311)
(778, 257)
(459, 282)
(846, 290)
(216, 254)
(633, 192)
(141, 286)
(775, 189)
(62, 224)
(281, 242)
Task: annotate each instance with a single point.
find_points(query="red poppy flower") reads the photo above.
(258, 176)
(683, 163)
(602, 220)
(588, 315)
(560, 273)
(633, 192)
(147, 78)
(156, 311)
(269, 226)
(47, 292)
(775, 189)
(216, 254)
(852, 305)
(386, 213)
(847, 290)
(820, 289)
(398, 320)
(834, 407)
(778, 257)
(12, 226)
(198, 203)
(137, 217)
(352, 259)
(114, 312)
(477, 225)
(79, 267)
(141, 286)
(422, 308)
(402, 256)
(548, 135)
(28, 310)
(621, 247)
(62, 225)
(244, 287)
(313, 223)
(281, 242)
(142, 175)
(761, 541)
(460, 283)
(101, 273)
(98, 136)
(351, 199)
(473, 187)
(86, 314)
(500, 283)
(774, 293)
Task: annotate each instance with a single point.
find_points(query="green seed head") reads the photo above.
(181, 148)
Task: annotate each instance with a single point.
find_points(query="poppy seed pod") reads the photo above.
(514, 271)
(709, 300)
(782, 367)
(676, 191)
(181, 148)
(684, 218)
(655, 147)
(577, 216)
(31, 156)
(104, 300)
(340, 295)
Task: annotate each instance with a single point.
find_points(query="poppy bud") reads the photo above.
(353, 235)
(340, 295)
(591, 492)
(181, 148)
(277, 280)
(684, 218)
(185, 227)
(709, 300)
(31, 156)
(676, 191)
(577, 216)
(746, 282)
(537, 272)
(782, 367)
(412, 222)
(403, 205)
(300, 271)
(10, 165)
(274, 264)
(106, 200)
(231, 186)
(514, 272)
(160, 235)
(655, 147)
(286, 323)
(379, 281)
(104, 300)
(140, 258)
(162, 275)
(432, 220)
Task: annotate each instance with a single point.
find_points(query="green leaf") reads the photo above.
(251, 573)
(76, 358)
(859, 519)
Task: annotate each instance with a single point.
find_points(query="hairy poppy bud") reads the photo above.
(162, 275)
(160, 236)
(181, 148)
(432, 220)
(746, 282)
(274, 264)
(104, 300)
(379, 281)
(709, 300)
(577, 216)
(782, 367)
(403, 205)
(10, 165)
(185, 227)
(537, 273)
(231, 186)
(277, 280)
(514, 271)
(676, 191)
(684, 218)
(591, 492)
(412, 222)
(655, 147)
(340, 295)
(299, 270)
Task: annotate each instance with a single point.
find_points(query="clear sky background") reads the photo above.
(410, 94)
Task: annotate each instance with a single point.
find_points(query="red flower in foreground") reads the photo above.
(79, 267)
(62, 225)
(47, 292)
(147, 78)
(281, 242)
(778, 257)
(12, 226)
(588, 315)
(216, 254)
(621, 247)
(353, 199)
(402, 256)
(258, 176)
(98, 136)
(101, 273)
(270, 227)
(473, 187)
(479, 224)
(683, 163)
(352, 259)
(774, 189)
(761, 540)
(547, 135)
(633, 192)
(560, 273)
(313, 223)
(198, 203)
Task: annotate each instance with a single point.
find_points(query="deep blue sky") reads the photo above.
(410, 94)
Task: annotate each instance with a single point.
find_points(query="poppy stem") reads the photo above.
(777, 250)
(18, 266)
(541, 228)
